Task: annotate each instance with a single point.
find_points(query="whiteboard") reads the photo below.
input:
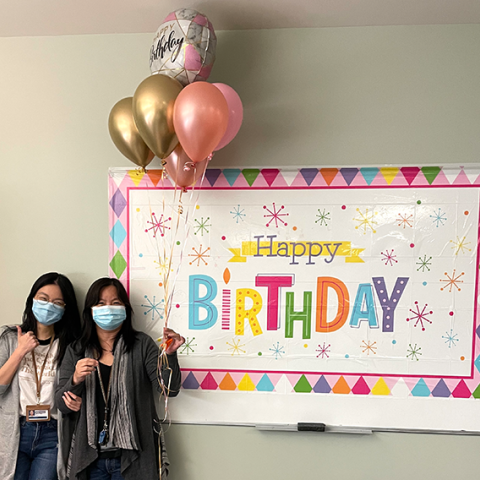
(346, 296)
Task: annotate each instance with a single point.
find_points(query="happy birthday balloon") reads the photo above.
(184, 47)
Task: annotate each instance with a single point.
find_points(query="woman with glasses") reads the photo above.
(30, 354)
(116, 370)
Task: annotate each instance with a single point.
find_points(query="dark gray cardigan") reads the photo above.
(141, 384)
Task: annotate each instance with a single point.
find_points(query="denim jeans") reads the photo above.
(105, 469)
(37, 453)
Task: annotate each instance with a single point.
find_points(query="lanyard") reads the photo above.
(38, 379)
(103, 436)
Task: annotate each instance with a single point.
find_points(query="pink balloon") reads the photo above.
(182, 170)
(200, 119)
(235, 114)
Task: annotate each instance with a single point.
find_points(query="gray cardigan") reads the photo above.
(10, 417)
(141, 384)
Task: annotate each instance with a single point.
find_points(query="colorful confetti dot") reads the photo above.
(462, 358)
(466, 212)
(138, 209)
(305, 346)
(211, 347)
(224, 237)
(424, 284)
(178, 243)
(294, 229)
(259, 354)
(140, 255)
(394, 342)
(347, 356)
(160, 284)
(198, 208)
(419, 202)
(344, 207)
(412, 245)
(177, 305)
(451, 313)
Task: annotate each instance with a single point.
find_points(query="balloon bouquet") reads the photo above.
(176, 115)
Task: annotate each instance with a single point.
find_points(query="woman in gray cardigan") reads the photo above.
(114, 369)
(29, 358)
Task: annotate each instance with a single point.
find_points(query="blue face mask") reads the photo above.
(47, 313)
(109, 317)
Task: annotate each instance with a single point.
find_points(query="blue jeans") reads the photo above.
(37, 453)
(105, 469)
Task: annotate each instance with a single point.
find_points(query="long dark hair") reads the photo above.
(89, 338)
(68, 328)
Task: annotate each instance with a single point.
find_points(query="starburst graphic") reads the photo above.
(323, 350)
(153, 307)
(277, 350)
(187, 347)
(366, 220)
(451, 338)
(322, 217)
(420, 316)
(461, 245)
(368, 346)
(238, 214)
(199, 255)
(158, 225)
(424, 263)
(439, 218)
(162, 265)
(275, 215)
(202, 226)
(414, 352)
(452, 281)
(389, 257)
(236, 347)
(404, 220)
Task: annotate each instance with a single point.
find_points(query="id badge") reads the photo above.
(38, 413)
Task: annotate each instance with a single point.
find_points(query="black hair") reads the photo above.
(68, 328)
(89, 338)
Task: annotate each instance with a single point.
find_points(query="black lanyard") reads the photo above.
(103, 436)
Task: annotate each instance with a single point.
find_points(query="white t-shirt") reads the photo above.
(28, 384)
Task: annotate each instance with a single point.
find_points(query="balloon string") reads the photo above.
(187, 224)
(169, 292)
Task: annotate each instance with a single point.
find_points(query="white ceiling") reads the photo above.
(79, 17)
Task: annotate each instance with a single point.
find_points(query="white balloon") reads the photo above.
(184, 47)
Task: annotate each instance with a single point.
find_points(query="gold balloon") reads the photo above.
(153, 103)
(125, 135)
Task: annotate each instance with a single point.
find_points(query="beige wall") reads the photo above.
(346, 96)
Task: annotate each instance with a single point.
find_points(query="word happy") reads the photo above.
(294, 251)
(250, 302)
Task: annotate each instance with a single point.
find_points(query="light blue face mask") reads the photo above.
(47, 313)
(109, 317)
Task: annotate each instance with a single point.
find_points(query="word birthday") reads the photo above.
(203, 314)
(172, 45)
(296, 250)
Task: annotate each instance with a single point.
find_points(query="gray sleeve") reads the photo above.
(5, 354)
(65, 379)
(171, 375)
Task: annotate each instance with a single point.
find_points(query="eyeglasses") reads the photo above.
(43, 298)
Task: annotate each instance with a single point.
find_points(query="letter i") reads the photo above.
(226, 300)
(226, 294)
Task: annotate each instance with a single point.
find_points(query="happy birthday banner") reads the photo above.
(356, 282)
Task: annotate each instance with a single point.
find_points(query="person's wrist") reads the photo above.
(20, 352)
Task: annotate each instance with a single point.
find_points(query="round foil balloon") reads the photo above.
(184, 47)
